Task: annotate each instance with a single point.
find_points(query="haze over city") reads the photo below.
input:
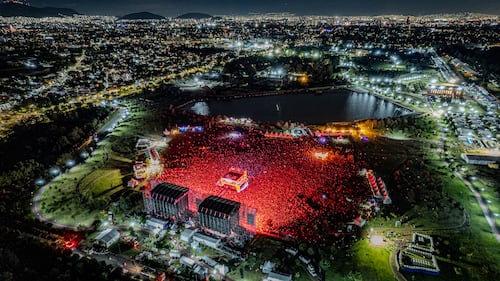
(313, 7)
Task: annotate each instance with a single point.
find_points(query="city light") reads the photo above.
(345, 109)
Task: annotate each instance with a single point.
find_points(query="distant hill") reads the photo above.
(14, 10)
(194, 16)
(142, 16)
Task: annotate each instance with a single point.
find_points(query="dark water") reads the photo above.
(337, 106)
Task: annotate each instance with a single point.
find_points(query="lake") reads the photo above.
(332, 106)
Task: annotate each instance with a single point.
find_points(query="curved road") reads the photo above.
(480, 201)
(109, 125)
(482, 204)
(36, 209)
(392, 262)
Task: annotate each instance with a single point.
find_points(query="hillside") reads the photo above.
(194, 16)
(142, 16)
(14, 10)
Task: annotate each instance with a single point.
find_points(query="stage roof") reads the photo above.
(220, 205)
(169, 191)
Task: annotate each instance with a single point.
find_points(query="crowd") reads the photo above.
(294, 192)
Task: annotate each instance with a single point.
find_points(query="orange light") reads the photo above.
(303, 79)
(321, 155)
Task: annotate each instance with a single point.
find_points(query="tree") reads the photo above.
(76, 134)
(325, 263)
(311, 251)
(354, 276)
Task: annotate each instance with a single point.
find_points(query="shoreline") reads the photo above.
(312, 91)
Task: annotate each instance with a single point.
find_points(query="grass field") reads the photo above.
(372, 261)
(81, 195)
(102, 182)
(466, 249)
(62, 204)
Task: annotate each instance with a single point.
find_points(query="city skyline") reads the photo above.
(314, 7)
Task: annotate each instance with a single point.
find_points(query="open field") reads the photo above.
(101, 182)
(372, 261)
(81, 195)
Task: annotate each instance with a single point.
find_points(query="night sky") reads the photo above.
(303, 7)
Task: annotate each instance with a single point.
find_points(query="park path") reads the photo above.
(482, 204)
(35, 206)
(392, 262)
(480, 201)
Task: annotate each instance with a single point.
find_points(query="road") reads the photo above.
(110, 124)
(486, 212)
(482, 204)
(117, 261)
(392, 262)
(35, 207)
(113, 121)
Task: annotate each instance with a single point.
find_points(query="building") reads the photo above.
(142, 146)
(154, 156)
(187, 262)
(480, 159)
(139, 170)
(108, 237)
(274, 276)
(221, 269)
(267, 267)
(200, 271)
(187, 235)
(219, 215)
(206, 240)
(166, 200)
(418, 256)
(156, 225)
(452, 92)
(175, 254)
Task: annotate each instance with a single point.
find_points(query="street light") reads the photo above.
(40, 181)
(84, 154)
(70, 163)
(54, 171)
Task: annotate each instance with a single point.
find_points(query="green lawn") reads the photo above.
(478, 245)
(372, 262)
(61, 202)
(81, 195)
(102, 181)
(254, 275)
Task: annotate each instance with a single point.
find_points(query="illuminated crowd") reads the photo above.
(294, 191)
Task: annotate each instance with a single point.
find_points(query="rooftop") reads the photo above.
(169, 191)
(108, 235)
(217, 204)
